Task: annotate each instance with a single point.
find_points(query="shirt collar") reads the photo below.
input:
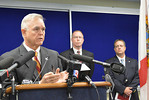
(75, 51)
(30, 49)
(121, 58)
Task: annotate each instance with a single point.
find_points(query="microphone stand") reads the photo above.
(13, 85)
(71, 65)
(108, 79)
(10, 81)
(71, 80)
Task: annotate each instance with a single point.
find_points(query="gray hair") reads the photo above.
(28, 18)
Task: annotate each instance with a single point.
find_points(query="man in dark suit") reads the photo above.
(77, 42)
(125, 83)
(33, 32)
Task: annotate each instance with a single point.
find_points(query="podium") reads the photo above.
(58, 91)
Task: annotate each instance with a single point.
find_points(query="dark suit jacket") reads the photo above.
(130, 78)
(28, 70)
(69, 55)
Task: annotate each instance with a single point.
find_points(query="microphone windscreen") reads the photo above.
(82, 58)
(23, 59)
(6, 62)
(118, 67)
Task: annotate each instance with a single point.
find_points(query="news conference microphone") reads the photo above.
(6, 62)
(46, 59)
(108, 79)
(23, 59)
(89, 59)
(17, 63)
(116, 67)
(90, 81)
(69, 62)
(84, 74)
(63, 58)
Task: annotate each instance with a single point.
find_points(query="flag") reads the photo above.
(144, 51)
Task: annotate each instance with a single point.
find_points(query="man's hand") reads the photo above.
(50, 78)
(128, 91)
(58, 77)
(63, 77)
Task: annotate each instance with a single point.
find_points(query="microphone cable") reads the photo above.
(92, 84)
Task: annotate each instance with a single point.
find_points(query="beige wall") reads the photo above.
(104, 6)
(105, 3)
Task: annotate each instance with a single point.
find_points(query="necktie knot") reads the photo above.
(78, 52)
(122, 61)
(36, 53)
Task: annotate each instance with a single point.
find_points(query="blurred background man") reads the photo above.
(77, 42)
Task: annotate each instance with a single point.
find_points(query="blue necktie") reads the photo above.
(122, 61)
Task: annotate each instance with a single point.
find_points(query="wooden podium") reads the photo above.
(58, 91)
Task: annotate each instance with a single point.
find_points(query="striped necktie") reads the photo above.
(38, 66)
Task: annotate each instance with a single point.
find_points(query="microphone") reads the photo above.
(108, 79)
(19, 62)
(84, 74)
(47, 58)
(116, 67)
(70, 63)
(24, 58)
(63, 58)
(6, 62)
(90, 81)
(89, 59)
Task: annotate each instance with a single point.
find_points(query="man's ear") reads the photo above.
(23, 32)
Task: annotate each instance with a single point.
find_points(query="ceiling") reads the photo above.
(108, 3)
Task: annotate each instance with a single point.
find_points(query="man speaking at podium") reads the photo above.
(47, 67)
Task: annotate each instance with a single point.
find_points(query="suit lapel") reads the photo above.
(43, 55)
(127, 65)
(84, 53)
(71, 52)
(116, 60)
(29, 63)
